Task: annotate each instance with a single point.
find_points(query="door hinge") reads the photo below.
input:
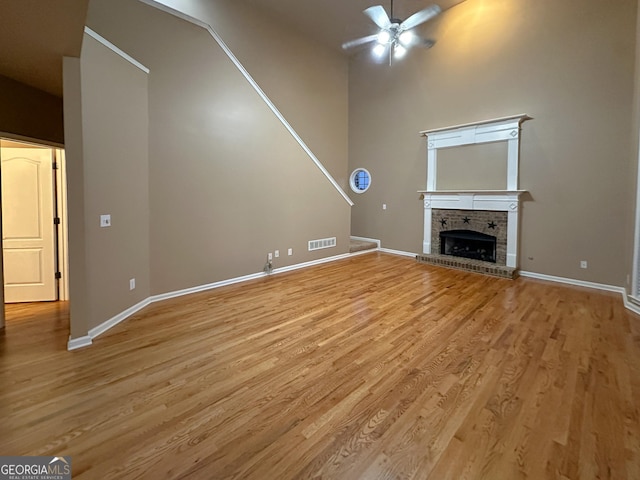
(58, 275)
(55, 165)
(56, 221)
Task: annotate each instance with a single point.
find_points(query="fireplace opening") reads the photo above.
(468, 244)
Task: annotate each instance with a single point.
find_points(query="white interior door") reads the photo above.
(27, 225)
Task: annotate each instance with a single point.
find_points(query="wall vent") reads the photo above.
(322, 243)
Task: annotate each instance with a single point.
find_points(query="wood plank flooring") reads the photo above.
(373, 367)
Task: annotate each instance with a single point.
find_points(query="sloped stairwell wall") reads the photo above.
(227, 182)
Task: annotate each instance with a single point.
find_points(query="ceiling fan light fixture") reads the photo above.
(378, 50)
(399, 51)
(406, 38)
(395, 36)
(384, 37)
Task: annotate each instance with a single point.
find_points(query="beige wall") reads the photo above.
(29, 112)
(108, 170)
(228, 183)
(307, 81)
(472, 167)
(78, 288)
(568, 65)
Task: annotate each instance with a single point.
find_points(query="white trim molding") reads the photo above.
(87, 340)
(366, 239)
(628, 303)
(495, 130)
(188, 18)
(114, 49)
(400, 253)
(631, 304)
(573, 281)
(635, 280)
(380, 248)
(75, 343)
(79, 342)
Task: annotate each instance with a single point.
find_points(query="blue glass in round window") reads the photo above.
(360, 180)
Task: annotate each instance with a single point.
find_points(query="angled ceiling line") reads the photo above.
(167, 9)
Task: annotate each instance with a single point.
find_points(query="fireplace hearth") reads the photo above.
(468, 244)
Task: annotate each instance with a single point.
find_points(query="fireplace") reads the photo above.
(486, 212)
(490, 225)
(468, 244)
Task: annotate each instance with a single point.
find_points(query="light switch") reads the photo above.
(105, 220)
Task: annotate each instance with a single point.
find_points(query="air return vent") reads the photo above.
(322, 243)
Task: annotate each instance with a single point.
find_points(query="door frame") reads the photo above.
(62, 244)
(63, 235)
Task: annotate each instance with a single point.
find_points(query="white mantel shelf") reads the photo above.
(472, 192)
(493, 122)
(496, 200)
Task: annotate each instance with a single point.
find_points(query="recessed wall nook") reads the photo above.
(473, 229)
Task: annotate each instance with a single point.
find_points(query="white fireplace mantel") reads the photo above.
(498, 200)
(499, 129)
(504, 129)
(495, 200)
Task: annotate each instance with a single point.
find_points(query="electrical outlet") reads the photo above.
(132, 284)
(105, 220)
(583, 264)
(384, 206)
(290, 251)
(270, 256)
(277, 253)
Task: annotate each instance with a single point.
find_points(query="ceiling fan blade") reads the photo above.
(420, 17)
(359, 41)
(379, 16)
(425, 42)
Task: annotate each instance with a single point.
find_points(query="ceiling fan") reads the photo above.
(395, 36)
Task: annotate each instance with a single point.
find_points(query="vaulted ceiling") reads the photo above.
(36, 34)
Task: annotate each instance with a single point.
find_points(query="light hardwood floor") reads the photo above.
(371, 367)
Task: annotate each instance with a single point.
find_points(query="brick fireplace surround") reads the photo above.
(477, 221)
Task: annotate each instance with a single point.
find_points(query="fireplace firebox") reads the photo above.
(468, 244)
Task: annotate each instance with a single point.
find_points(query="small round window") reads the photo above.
(360, 180)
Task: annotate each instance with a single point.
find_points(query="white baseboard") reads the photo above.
(572, 281)
(112, 322)
(629, 305)
(320, 261)
(75, 343)
(364, 252)
(380, 249)
(202, 288)
(80, 342)
(365, 239)
(398, 252)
